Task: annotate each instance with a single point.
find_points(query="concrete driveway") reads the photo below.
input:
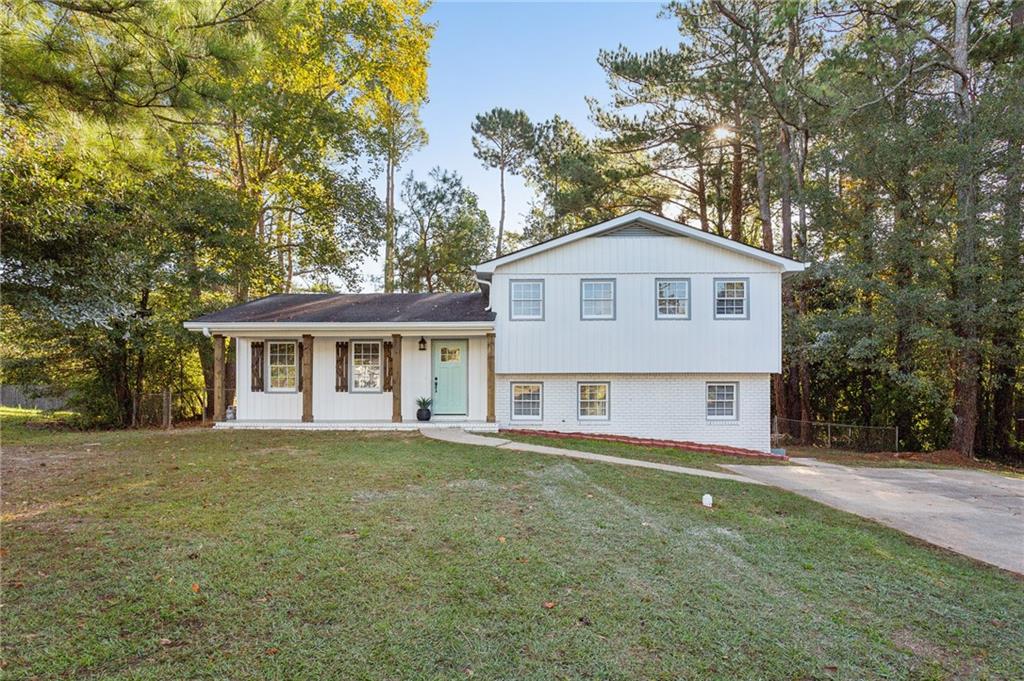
(975, 513)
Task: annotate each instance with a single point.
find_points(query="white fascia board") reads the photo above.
(784, 264)
(337, 329)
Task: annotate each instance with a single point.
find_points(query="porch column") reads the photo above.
(307, 377)
(219, 393)
(396, 378)
(490, 378)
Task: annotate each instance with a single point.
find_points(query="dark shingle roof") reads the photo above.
(358, 308)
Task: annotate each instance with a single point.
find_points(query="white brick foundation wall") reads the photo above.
(663, 406)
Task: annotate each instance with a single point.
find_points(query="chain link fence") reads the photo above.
(170, 408)
(835, 435)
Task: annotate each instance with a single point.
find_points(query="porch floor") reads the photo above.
(242, 424)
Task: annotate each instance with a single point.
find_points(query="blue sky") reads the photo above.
(535, 56)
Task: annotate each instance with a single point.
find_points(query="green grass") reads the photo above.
(680, 457)
(335, 555)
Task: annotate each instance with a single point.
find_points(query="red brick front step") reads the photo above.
(645, 442)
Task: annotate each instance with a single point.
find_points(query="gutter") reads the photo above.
(336, 328)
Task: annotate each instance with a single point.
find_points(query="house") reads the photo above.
(637, 326)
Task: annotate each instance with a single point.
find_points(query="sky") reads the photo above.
(537, 56)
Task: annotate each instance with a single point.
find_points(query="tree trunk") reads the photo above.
(719, 204)
(140, 359)
(702, 195)
(736, 191)
(763, 199)
(389, 225)
(1007, 338)
(119, 376)
(785, 191)
(1007, 348)
(501, 218)
(966, 280)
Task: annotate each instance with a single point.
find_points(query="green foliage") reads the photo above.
(164, 158)
(503, 139)
(580, 182)
(444, 232)
(845, 144)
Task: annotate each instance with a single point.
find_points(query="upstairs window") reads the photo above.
(673, 298)
(593, 402)
(282, 359)
(597, 299)
(366, 367)
(731, 299)
(721, 402)
(527, 299)
(527, 401)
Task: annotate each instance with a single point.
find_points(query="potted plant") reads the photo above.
(423, 413)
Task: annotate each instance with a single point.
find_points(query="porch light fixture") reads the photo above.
(423, 343)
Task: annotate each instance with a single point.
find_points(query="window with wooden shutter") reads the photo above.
(256, 367)
(387, 366)
(300, 364)
(341, 366)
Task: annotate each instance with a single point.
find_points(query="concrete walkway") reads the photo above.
(462, 437)
(972, 512)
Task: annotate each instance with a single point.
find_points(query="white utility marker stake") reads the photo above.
(706, 500)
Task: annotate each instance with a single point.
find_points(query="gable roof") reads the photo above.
(354, 308)
(654, 223)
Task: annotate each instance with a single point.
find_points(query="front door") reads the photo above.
(450, 377)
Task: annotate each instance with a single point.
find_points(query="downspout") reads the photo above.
(484, 283)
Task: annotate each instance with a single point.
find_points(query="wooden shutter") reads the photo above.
(298, 356)
(256, 367)
(386, 359)
(341, 366)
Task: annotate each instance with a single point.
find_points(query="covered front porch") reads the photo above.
(357, 378)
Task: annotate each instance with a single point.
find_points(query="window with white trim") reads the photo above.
(527, 299)
(366, 367)
(282, 360)
(673, 298)
(722, 401)
(593, 402)
(597, 299)
(731, 299)
(527, 401)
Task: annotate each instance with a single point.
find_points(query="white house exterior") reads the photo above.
(638, 326)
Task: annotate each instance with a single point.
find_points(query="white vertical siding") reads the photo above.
(660, 406)
(261, 406)
(330, 405)
(635, 341)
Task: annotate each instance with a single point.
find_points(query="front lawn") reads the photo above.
(679, 457)
(201, 554)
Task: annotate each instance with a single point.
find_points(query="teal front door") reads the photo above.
(450, 377)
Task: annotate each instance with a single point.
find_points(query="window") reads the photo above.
(284, 369)
(366, 367)
(593, 401)
(527, 299)
(721, 404)
(731, 299)
(451, 355)
(527, 401)
(673, 298)
(597, 299)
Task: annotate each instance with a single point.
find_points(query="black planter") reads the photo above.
(423, 414)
